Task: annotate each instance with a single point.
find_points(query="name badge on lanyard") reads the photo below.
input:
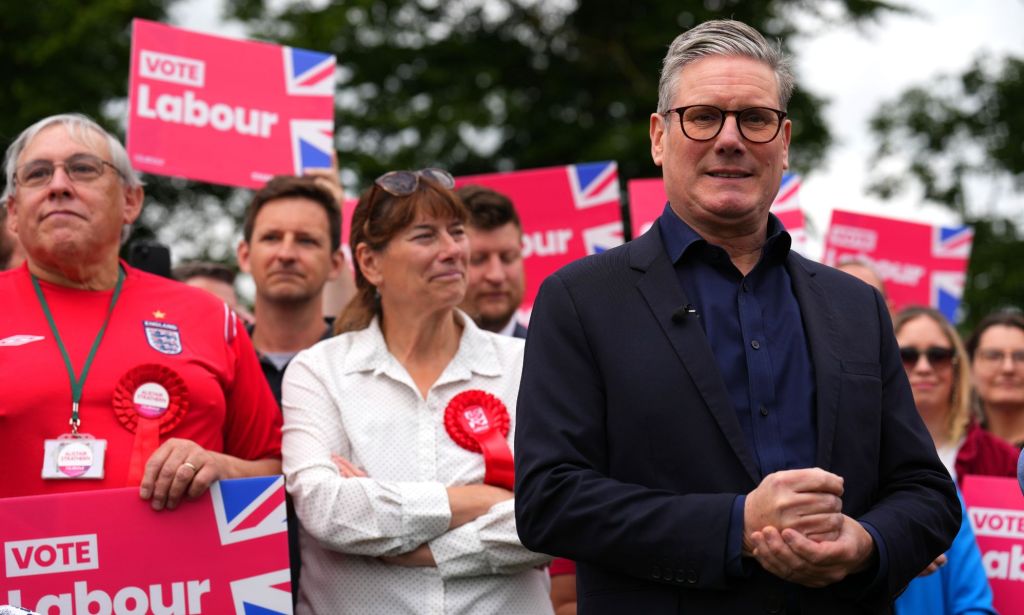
(74, 456)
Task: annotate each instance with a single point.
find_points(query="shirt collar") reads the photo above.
(678, 236)
(779, 240)
(476, 354)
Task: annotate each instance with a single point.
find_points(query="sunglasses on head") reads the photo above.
(404, 183)
(937, 356)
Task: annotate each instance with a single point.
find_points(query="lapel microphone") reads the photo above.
(681, 314)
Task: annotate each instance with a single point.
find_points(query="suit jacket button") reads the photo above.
(692, 576)
(774, 602)
(656, 573)
(680, 576)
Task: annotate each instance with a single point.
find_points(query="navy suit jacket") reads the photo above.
(629, 453)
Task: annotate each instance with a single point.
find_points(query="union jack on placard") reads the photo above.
(248, 508)
(597, 239)
(266, 594)
(594, 183)
(786, 199)
(947, 287)
(952, 242)
(787, 207)
(308, 73)
(312, 144)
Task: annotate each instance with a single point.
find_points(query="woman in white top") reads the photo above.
(396, 516)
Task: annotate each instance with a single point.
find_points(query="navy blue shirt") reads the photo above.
(755, 330)
(754, 327)
(756, 333)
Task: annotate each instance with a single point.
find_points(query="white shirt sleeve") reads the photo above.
(487, 545)
(360, 516)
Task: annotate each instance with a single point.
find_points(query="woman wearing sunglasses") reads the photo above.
(997, 362)
(398, 431)
(936, 365)
(940, 376)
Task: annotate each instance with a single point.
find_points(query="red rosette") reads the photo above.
(479, 422)
(149, 400)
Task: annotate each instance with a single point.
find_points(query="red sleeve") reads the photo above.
(252, 429)
(560, 566)
(985, 454)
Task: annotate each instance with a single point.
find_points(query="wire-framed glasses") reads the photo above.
(80, 168)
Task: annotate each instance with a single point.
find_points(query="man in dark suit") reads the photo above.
(496, 277)
(707, 421)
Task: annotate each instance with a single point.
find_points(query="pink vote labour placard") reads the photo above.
(227, 111)
(107, 551)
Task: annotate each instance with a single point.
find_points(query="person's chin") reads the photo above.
(288, 293)
(71, 247)
(733, 205)
(496, 318)
(1007, 397)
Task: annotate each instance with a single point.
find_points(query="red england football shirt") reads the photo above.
(183, 334)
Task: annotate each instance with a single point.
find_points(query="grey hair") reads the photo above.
(722, 37)
(78, 126)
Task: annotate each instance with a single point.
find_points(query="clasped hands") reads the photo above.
(793, 525)
(467, 502)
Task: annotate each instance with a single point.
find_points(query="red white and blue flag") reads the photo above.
(308, 73)
(227, 111)
(594, 184)
(789, 189)
(249, 509)
(920, 263)
(265, 594)
(952, 242)
(787, 207)
(107, 551)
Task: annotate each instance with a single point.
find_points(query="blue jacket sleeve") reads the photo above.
(958, 588)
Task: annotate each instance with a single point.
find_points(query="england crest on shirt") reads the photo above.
(163, 336)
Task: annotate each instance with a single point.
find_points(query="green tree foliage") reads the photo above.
(476, 86)
(961, 139)
(471, 85)
(66, 55)
(995, 278)
(958, 129)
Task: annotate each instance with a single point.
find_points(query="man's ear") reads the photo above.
(12, 219)
(242, 255)
(787, 129)
(657, 137)
(337, 263)
(133, 198)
